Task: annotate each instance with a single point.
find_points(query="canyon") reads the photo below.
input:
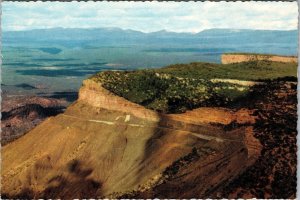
(20, 114)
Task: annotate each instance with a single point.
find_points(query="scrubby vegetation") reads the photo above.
(181, 87)
(274, 174)
(169, 94)
(253, 71)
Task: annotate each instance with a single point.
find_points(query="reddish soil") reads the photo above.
(21, 114)
(273, 175)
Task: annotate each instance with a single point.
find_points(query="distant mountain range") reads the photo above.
(116, 36)
(218, 40)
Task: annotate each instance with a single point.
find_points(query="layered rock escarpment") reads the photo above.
(95, 95)
(237, 58)
(106, 146)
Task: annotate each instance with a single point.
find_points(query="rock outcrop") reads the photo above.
(97, 96)
(237, 58)
(106, 146)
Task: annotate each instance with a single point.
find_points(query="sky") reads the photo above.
(150, 16)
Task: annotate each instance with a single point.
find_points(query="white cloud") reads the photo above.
(150, 16)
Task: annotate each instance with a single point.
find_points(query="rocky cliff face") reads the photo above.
(106, 146)
(237, 58)
(97, 96)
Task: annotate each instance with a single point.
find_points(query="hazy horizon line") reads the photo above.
(160, 30)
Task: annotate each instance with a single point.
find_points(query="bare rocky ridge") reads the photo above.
(237, 58)
(106, 146)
